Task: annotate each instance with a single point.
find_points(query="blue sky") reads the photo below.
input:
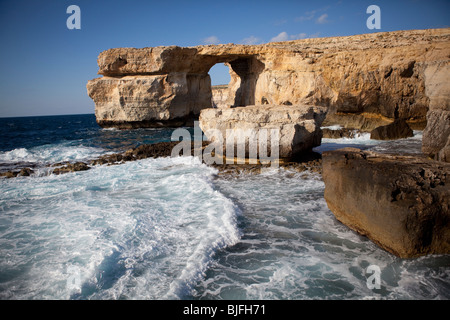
(45, 66)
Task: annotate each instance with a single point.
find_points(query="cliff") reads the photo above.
(391, 74)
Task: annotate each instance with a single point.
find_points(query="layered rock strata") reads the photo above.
(298, 127)
(401, 203)
(391, 75)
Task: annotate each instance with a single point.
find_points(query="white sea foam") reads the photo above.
(50, 154)
(333, 127)
(166, 229)
(145, 229)
(293, 248)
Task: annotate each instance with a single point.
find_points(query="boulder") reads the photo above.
(396, 130)
(298, 126)
(401, 203)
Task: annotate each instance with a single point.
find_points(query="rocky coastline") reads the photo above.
(383, 83)
(310, 161)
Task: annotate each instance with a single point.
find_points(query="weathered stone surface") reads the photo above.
(149, 100)
(391, 74)
(396, 130)
(299, 125)
(401, 203)
(220, 97)
(436, 136)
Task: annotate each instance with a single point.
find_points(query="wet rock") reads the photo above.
(9, 174)
(24, 172)
(71, 167)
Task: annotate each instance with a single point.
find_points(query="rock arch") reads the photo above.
(244, 72)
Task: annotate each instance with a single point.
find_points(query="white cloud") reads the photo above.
(322, 19)
(298, 36)
(211, 40)
(308, 16)
(251, 40)
(283, 36)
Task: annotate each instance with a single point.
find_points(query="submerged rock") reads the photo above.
(402, 203)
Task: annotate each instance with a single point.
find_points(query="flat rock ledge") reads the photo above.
(401, 203)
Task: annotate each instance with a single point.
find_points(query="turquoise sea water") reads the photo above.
(171, 228)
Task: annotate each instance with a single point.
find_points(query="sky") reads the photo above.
(45, 66)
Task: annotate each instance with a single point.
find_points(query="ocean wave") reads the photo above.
(50, 154)
(146, 229)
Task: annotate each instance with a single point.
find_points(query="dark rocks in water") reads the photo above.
(24, 172)
(71, 167)
(339, 133)
(308, 161)
(9, 174)
(402, 203)
(156, 150)
(398, 129)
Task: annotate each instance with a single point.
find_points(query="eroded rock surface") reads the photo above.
(298, 126)
(391, 74)
(401, 203)
(396, 130)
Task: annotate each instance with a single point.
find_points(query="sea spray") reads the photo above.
(145, 229)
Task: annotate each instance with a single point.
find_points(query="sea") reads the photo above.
(176, 229)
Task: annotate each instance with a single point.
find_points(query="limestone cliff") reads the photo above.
(391, 74)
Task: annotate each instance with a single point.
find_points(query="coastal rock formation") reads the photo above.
(389, 75)
(396, 130)
(401, 203)
(436, 136)
(220, 96)
(298, 126)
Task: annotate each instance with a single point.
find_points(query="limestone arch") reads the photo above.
(244, 73)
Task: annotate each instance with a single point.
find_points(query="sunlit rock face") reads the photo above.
(389, 75)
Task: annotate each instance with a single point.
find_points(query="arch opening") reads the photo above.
(242, 80)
